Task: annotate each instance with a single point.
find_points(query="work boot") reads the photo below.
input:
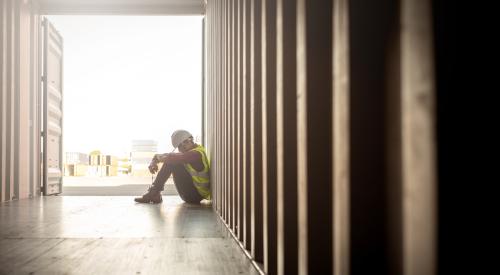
(152, 196)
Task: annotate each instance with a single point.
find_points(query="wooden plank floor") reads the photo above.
(114, 235)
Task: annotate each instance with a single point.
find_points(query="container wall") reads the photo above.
(320, 128)
(19, 118)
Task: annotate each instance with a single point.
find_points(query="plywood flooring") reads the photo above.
(114, 235)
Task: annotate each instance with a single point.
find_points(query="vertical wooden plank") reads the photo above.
(10, 71)
(286, 57)
(302, 138)
(233, 113)
(203, 84)
(220, 91)
(418, 139)
(211, 127)
(217, 103)
(214, 106)
(223, 109)
(256, 131)
(229, 114)
(31, 108)
(210, 80)
(212, 113)
(6, 84)
(258, 134)
(206, 83)
(246, 130)
(221, 78)
(23, 102)
(208, 127)
(269, 135)
(240, 120)
(251, 128)
(34, 106)
(314, 121)
(214, 65)
(220, 105)
(16, 100)
(14, 81)
(340, 138)
(227, 168)
(234, 86)
(3, 97)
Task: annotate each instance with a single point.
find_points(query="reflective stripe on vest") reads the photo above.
(201, 179)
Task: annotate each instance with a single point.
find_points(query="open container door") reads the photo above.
(52, 110)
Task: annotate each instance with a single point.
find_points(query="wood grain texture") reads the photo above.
(340, 138)
(113, 235)
(418, 139)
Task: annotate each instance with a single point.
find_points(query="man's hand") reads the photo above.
(153, 167)
(156, 158)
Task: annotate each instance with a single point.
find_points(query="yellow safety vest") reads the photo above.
(201, 179)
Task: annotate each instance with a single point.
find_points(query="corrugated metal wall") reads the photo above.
(320, 128)
(19, 119)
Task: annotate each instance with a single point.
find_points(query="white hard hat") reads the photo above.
(179, 136)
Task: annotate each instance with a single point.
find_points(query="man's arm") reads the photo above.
(157, 158)
(160, 157)
(192, 157)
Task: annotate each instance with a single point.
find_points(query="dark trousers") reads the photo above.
(182, 180)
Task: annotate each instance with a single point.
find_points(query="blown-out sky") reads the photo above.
(129, 77)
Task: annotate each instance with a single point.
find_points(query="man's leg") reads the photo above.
(154, 192)
(162, 177)
(184, 184)
(182, 180)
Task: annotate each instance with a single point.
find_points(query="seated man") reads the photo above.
(190, 168)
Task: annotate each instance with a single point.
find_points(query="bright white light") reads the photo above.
(129, 77)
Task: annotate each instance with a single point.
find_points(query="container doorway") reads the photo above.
(126, 83)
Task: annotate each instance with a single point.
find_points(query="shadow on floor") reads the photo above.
(120, 190)
(114, 235)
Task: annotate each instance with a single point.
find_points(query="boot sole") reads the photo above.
(151, 201)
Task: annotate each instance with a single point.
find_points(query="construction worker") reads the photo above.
(190, 168)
